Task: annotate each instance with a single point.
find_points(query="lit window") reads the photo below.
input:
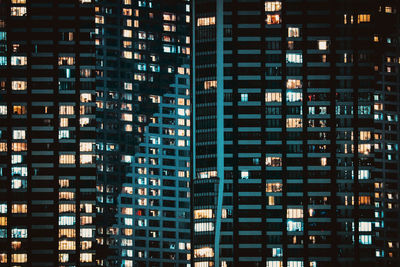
(66, 208)
(18, 61)
(169, 48)
(210, 85)
(272, 6)
(293, 96)
(63, 257)
(17, 183)
(86, 257)
(324, 161)
(273, 161)
(204, 227)
(127, 11)
(365, 239)
(66, 110)
(86, 233)
(19, 134)
(3, 221)
(273, 97)
(244, 97)
(322, 44)
(66, 245)
(19, 258)
(3, 110)
(277, 252)
(127, 33)
(3, 61)
(85, 220)
(274, 264)
(169, 16)
(86, 159)
(66, 195)
(66, 220)
(68, 233)
(17, 110)
(3, 208)
(293, 32)
(67, 159)
(86, 146)
(294, 123)
(294, 226)
(203, 214)
(19, 208)
(364, 18)
(273, 187)
(296, 264)
(388, 9)
(3, 147)
(273, 19)
(19, 171)
(15, 159)
(18, 85)
(127, 54)
(169, 27)
(206, 21)
(293, 84)
(3, 234)
(19, 233)
(205, 252)
(294, 58)
(294, 213)
(365, 135)
(63, 61)
(18, 11)
(63, 134)
(363, 174)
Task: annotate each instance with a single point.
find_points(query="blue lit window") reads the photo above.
(294, 96)
(294, 58)
(277, 252)
(244, 97)
(154, 68)
(365, 239)
(128, 221)
(3, 233)
(21, 171)
(294, 226)
(19, 233)
(169, 48)
(63, 134)
(3, 61)
(17, 183)
(66, 220)
(141, 66)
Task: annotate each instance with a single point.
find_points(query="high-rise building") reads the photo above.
(295, 133)
(94, 133)
(47, 133)
(143, 99)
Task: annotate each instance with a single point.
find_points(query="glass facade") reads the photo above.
(143, 116)
(295, 129)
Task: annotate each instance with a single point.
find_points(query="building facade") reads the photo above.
(94, 133)
(143, 57)
(47, 133)
(295, 133)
